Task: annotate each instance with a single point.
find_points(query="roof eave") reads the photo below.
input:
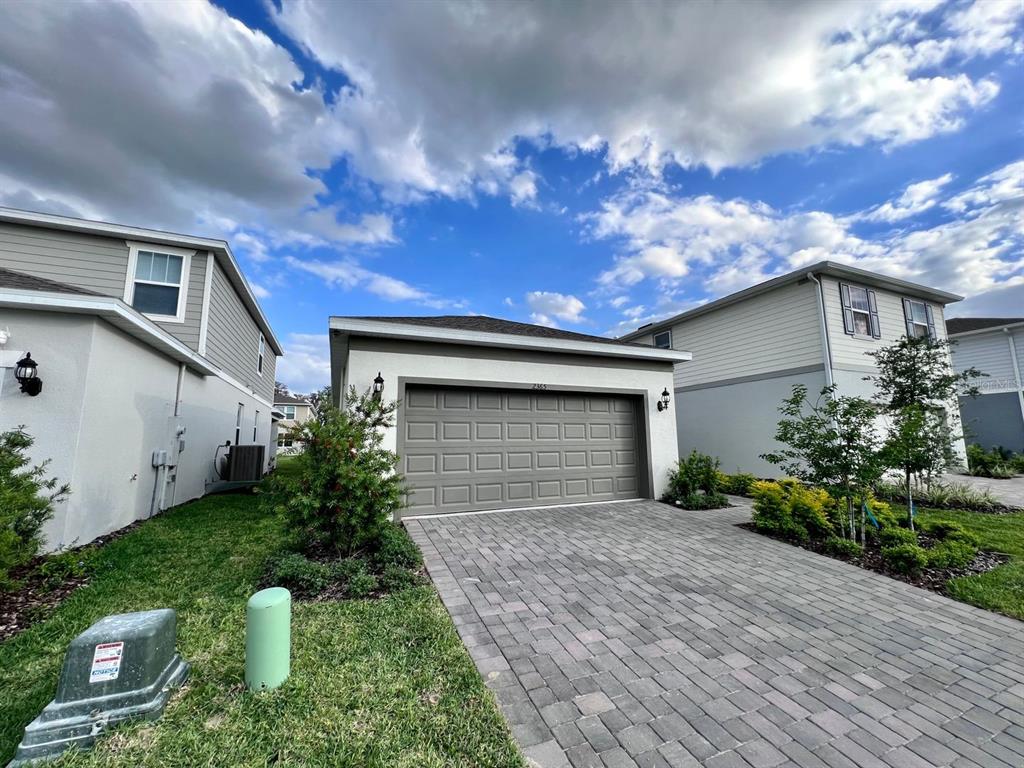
(351, 327)
(106, 229)
(987, 329)
(831, 268)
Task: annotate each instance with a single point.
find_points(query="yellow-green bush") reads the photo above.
(788, 510)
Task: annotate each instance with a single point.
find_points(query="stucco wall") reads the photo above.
(503, 367)
(994, 419)
(107, 403)
(736, 422)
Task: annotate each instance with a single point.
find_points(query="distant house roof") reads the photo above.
(956, 325)
(831, 268)
(19, 280)
(487, 324)
(290, 400)
(219, 248)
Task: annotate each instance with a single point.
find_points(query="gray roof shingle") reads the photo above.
(965, 324)
(19, 280)
(485, 324)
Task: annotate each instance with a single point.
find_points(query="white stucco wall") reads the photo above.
(108, 402)
(447, 363)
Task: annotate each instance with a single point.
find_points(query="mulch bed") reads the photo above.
(934, 579)
(36, 595)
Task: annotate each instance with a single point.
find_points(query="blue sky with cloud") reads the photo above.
(591, 168)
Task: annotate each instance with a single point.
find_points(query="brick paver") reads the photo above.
(634, 634)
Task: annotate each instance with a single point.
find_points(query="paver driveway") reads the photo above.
(635, 634)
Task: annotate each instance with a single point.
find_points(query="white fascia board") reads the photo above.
(220, 249)
(114, 311)
(506, 340)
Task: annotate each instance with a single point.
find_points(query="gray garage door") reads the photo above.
(466, 449)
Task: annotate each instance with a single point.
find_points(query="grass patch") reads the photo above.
(374, 683)
(1001, 589)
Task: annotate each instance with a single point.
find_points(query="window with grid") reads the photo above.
(920, 319)
(860, 311)
(157, 284)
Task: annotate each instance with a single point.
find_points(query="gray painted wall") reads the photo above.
(736, 422)
(98, 264)
(993, 419)
(232, 338)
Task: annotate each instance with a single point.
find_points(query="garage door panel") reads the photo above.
(470, 449)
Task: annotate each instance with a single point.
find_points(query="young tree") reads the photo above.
(833, 443)
(321, 401)
(917, 389)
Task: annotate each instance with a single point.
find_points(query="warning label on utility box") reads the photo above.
(106, 662)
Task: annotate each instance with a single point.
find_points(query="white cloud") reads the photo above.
(306, 365)
(259, 291)
(348, 274)
(701, 245)
(171, 115)
(547, 308)
(718, 84)
(916, 198)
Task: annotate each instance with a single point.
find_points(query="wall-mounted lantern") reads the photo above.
(378, 386)
(28, 376)
(663, 403)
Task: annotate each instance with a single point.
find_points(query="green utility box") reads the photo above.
(122, 668)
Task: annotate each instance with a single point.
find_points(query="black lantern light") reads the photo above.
(28, 376)
(378, 386)
(663, 403)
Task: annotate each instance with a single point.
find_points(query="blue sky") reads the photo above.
(593, 168)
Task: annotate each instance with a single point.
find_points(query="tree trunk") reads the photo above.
(849, 515)
(863, 525)
(910, 501)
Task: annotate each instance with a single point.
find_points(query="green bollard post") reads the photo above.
(268, 628)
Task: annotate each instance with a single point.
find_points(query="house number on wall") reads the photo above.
(540, 386)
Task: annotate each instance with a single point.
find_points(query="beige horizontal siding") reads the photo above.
(990, 354)
(97, 264)
(232, 338)
(775, 331)
(850, 351)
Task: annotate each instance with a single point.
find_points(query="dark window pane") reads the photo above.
(861, 325)
(663, 340)
(156, 299)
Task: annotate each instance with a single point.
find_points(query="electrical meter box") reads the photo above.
(122, 668)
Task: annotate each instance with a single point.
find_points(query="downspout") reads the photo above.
(1016, 370)
(826, 347)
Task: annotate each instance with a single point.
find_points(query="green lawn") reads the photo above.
(374, 683)
(1001, 589)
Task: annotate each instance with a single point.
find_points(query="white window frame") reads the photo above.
(186, 269)
(929, 314)
(654, 339)
(239, 417)
(260, 354)
(284, 410)
(871, 313)
(255, 425)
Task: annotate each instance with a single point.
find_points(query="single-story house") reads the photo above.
(814, 326)
(155, 359)
(498, 414)
(995, 346)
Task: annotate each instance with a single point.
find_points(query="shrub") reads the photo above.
(997, 463)
(395, 547)
(788, 510)
(1017, 463)
(693, 484)
(62, 566)
(361, 585)
(26, 502)
(395, 578)
(943, 496)
(844, 548)
(345, 491)
(300, 575)
(946, 530)
(896, 536)
(739, 484)
(343, 571)
(951, 554)
(907, 559)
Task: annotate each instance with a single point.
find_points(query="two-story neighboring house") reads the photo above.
(995, 346)
(155, 361)
(813, 326)
(295, 410)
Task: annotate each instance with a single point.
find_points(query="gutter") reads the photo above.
(826, 347)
